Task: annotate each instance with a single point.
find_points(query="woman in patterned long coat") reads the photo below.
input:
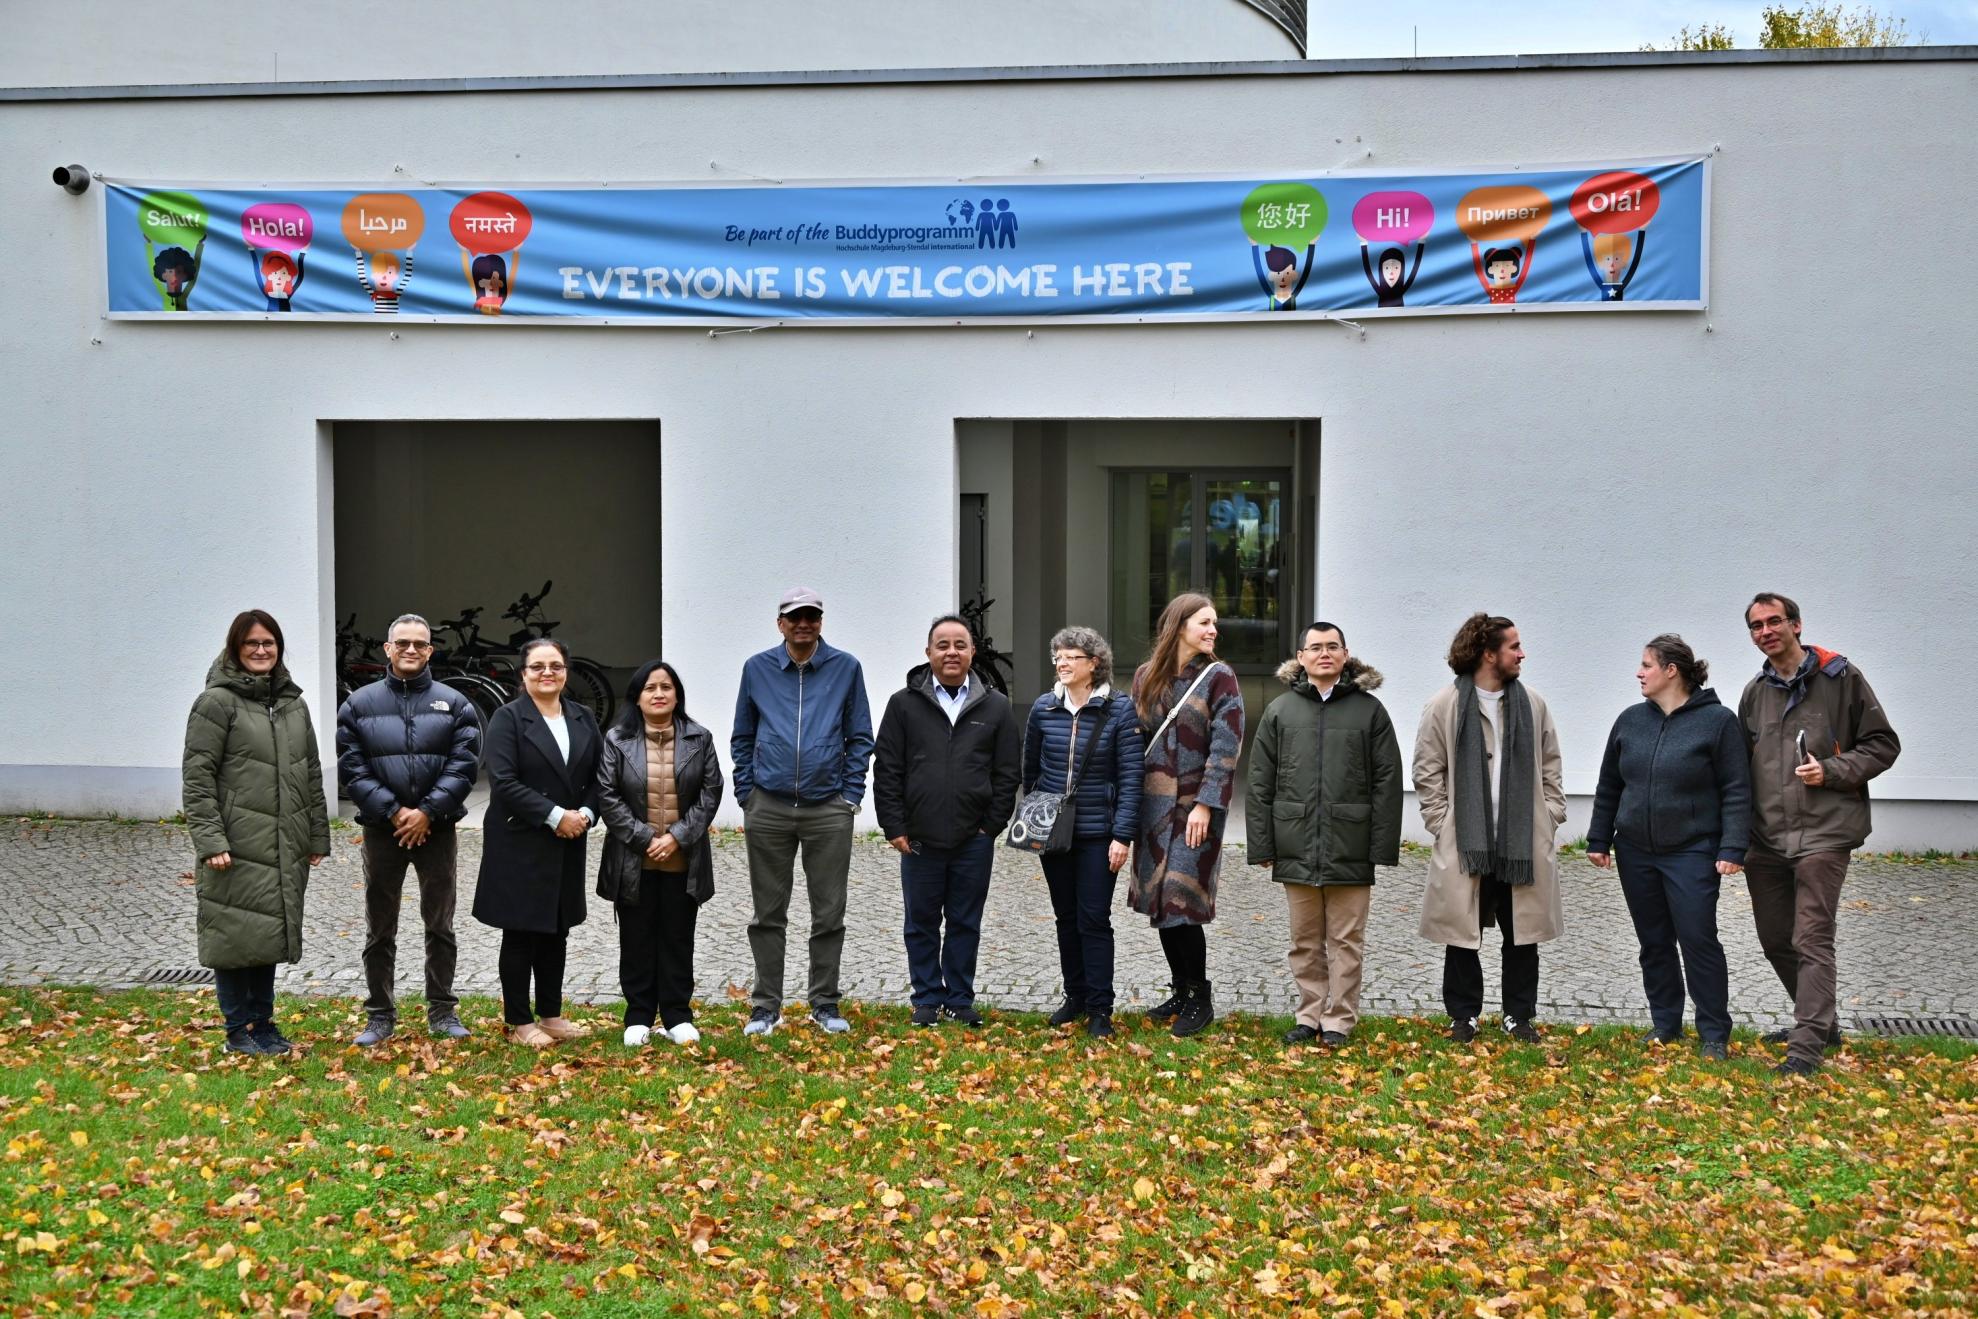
(1192, 711)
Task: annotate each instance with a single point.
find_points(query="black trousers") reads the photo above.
(1187, 950)
(526, 954)
(656, 951)
(1462, 968)
(1081, 887)
(385, 863)
(246, 994)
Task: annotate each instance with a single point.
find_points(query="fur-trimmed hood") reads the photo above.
(1357, 676)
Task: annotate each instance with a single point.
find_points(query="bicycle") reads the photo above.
(588, 683)
(470, 667)
(993, 666)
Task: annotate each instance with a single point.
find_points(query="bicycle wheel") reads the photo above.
(589, 686)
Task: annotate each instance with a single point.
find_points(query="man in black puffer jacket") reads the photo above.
(407, 752)
(944, 782)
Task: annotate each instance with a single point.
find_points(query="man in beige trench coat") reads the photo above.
(1492, 796)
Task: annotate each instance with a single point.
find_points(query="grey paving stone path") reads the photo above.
(111, 904)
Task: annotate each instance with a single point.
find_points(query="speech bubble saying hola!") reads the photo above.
(1510, 213)
(490, 222)
(1393, 217)
(1617, 202)
(172, 219)
(1289, 215)
(382, 222)
(283, 226)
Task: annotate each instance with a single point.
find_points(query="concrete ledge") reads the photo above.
(142, 792)
(1029, 73)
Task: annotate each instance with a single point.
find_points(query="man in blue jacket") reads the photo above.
(802, 736)
(407, 752)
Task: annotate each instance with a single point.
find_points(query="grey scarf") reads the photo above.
(1501, 847)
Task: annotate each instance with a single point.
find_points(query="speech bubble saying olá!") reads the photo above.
(382, 221)
(1289, 215)
(1617, 202)
(283, 226)
(1393, 217)
(172, 219)
(1510, 213)
(490, 222)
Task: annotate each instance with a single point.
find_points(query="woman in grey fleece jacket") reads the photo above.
(1675, 789)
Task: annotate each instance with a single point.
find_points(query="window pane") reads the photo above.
(1244, 567)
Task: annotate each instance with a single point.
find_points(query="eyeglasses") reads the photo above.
(408, 645)
(1067, 656)
(544, 668)
(1323, 648)
(1759, 624)
(260, 645)
(804, 616)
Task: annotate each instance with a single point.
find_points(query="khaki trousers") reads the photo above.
(1328, 938)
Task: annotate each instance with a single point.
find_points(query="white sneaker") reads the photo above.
(636, 1036)
(684, 1033)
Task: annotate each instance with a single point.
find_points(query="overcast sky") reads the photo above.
(1343, 30)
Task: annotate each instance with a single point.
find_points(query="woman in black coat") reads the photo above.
(658, 867)
(542, 756)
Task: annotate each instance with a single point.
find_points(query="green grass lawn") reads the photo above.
(1013, 1170)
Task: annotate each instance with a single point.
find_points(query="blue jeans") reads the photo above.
(945, 885)
(1082, 900)
(1672, 897)
(246, 994)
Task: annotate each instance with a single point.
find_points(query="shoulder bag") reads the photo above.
(1045, 821)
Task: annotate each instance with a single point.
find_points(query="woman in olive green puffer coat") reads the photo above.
(254, 804)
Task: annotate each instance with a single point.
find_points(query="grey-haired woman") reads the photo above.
(1082, 721)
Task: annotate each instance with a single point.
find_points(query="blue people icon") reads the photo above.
(1005, 223)
(1605, 253)
(985, 223)
(1286, 279)
(1385, 275)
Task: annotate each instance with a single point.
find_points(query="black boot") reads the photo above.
(1198, 1009)
(1167, 1007)
(1069, 1011)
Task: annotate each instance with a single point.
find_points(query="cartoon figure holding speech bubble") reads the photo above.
(171, 222)
(1280, 218)
(1515, 214)
(271, 231)
(1394, 219)
(1613, 211)
(487, 225)
(381, 228)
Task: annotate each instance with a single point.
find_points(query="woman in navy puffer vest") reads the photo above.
(1111, 761)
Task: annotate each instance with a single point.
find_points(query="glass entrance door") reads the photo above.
(1217, 532)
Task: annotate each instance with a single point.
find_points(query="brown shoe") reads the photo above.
(562, 1028)
(532, 1034)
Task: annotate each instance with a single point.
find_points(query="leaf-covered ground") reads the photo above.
(1013, 1170)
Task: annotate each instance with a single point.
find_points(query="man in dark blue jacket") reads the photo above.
(802, 736)
(944, 782)
(407, 752)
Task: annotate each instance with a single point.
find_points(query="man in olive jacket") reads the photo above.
(1324, 809)
(1809, 812)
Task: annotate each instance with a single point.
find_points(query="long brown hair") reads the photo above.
(1163, 661)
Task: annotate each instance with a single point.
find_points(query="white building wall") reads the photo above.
(1598, 479)
(59, 43)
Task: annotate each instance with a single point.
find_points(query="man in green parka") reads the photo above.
(1325, 809)
(254, 804)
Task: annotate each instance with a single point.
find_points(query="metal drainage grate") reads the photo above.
(1961, 1027)
(179, 975)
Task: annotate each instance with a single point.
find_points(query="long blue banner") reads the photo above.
(1629, 235)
